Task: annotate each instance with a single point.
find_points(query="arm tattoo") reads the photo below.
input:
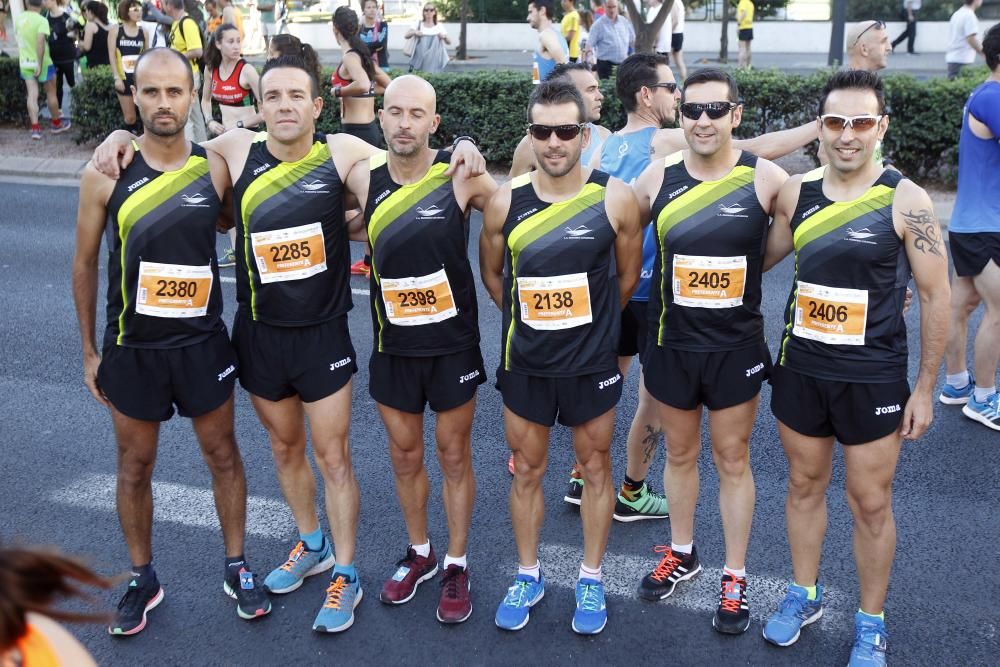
(924, 227)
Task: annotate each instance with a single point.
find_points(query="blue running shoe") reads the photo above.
(342, 596)
(795, 611)
(301, 563)
(987, 412)
(513, 612)
(591, 615)
(957, 396)
(870, 640)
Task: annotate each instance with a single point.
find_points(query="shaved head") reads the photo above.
(162, 57)
(413, 89)
(868, 46)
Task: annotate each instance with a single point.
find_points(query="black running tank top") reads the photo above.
(561, 304)
(423, 294)
(292, 252)
(844, 317)
(710, 241)
(163, 276)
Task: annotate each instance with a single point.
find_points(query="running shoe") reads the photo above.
(36, 133)
(733, 615)
(301, 563)
(986, 413)
(228, 258)
(130, 617)
(794, 612)
(574, 492)
(455, 605)
(63, 125)
(671, 570)
(359, 268)
(411, 571)
(870, 641)
(510, 464)
(591, 614)
(515, 610)
(640, 504)
(342, 597)
(957, 396)
(251, 601)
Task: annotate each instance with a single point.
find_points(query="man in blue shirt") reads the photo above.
(974, 237)
(612, 38)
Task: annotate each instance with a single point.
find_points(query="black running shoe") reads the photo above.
(672, 569)
(733, 615)
(574, 494)
(251, 600)
(130, 618)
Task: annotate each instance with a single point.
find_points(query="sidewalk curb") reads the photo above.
(42, 168)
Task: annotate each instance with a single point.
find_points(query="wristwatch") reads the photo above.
(463, 137)
(239, 124)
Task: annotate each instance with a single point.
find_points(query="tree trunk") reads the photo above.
(645, 33)
(461, 54)
(724, 39)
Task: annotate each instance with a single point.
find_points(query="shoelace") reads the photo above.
(450, 582)
(294, 556)
(667, 564)
(993, 404)
(792, 605)
(589, 598)
(735, 588)
(408, 559)
(871, 638)
(335, 593)
(515, 594)
(132, 601)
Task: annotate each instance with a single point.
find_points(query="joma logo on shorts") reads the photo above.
(340, 364)
(226, 372)
(470, 376)
(756, 369)
(887, 409)
(604, 384)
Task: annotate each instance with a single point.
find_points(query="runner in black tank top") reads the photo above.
(165, 345)
(560, 254)
(426, 330)
(710, 207)
(858, 231)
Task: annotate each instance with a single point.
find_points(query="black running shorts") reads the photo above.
(677, 41)
(573, 400)
(146, 384)
(745, 34)
(685, 379)
(312, 362)
(634, 328)
(854, 412)
(368, 132)
(408, 383)
(972, 252)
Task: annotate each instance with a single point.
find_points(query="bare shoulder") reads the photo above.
(95, 185)
(909, 194)
(668, 140)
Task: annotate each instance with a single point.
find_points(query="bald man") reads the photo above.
(868, 46)
(426, 325)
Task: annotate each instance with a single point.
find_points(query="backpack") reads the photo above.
(201, 31)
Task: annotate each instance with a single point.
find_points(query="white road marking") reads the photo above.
(180, 503)
(355, 290)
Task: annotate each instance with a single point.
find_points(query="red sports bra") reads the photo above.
(337, 80)
(229, 92)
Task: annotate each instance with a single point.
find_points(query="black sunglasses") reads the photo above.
(715, 110)
(670, 86)
(564, 132)
(877, 24)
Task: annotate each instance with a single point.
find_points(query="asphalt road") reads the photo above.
(57, 471)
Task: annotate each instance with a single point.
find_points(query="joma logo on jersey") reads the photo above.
(224, 374)
(756, 369)
(468, 377)
(382, 196)
(811, 211)
(140, 182)
(678, 191)
(340, 364)
(604, 384)
(524, 215)
(887, 410)
(262, 168)
(314, 186)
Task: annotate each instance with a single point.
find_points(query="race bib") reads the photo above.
(289, 254)
(411, 302)
(173, 290)
(128, 63)
(555, 302)
(833, 315)
(709, 282)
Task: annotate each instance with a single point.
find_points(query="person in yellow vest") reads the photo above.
(571, 29)
(744, 24)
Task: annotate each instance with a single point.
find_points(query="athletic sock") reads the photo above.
(423, 550)
(36, 127)
(682, 548)
(347, 570)
(143, 574)
(587, 573)
(982, 393)
(313, 540)
(630, 486)
(57, 123)
(534, 571)
(880, 616)
(739, 574)
(460, 561)
(575, 473)
(233, 564)
(811, 592)
(958, 380)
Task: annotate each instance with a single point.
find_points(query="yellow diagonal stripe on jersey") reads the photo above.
(840, 213)
(393, 206)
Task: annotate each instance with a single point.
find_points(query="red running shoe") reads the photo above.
(359, 268)
(456, 604)
(411, 571)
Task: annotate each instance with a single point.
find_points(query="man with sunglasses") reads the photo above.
(859, 232)
(559, 254)
(710, 206)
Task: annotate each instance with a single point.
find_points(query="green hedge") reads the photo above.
(13, 101)
(922, 140)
